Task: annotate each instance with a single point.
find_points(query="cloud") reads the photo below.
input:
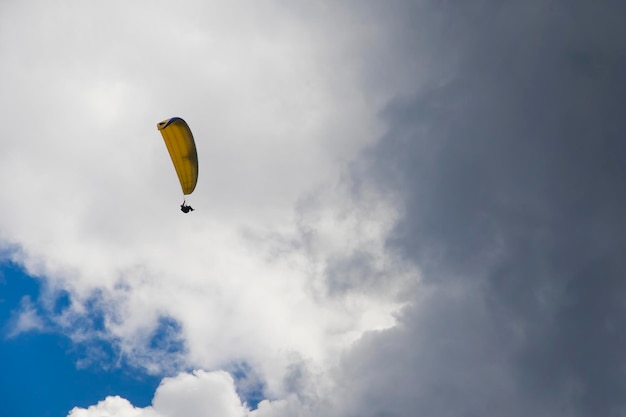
(414, 209)
(511, 178)
(113, 407)
(261, 273)
(200, 393)
(25, 319)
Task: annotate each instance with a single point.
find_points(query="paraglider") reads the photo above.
(182, 149)
(185, 208)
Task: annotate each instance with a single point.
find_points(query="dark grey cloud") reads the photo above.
(511, 167)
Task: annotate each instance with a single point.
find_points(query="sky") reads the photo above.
(404, 208)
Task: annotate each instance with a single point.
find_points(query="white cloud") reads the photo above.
(200, 394)
(286, 267)
(25, 319)
(288, 407)
(203, 394)
(276, 98)
(114, 406)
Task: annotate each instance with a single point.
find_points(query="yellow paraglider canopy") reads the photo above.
(182, 149)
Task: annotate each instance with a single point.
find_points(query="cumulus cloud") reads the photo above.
(202, 394)
(262, 273)
(113, 407)
(408, 209)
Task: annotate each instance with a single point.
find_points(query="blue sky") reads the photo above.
(42, 372)
(39, 369)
